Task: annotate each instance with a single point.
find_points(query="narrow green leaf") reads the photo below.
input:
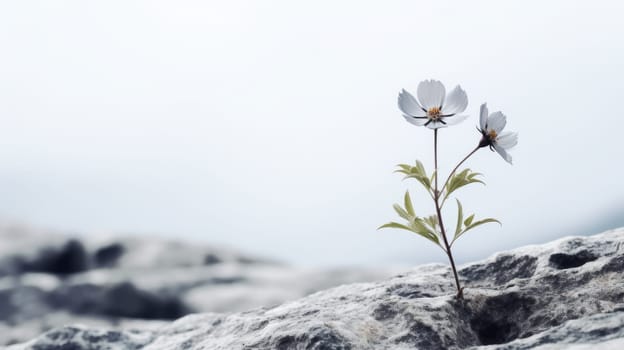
(431, 238)
(422, 179)
(405, 167)
(474, 175)
(460, 179)
(402, 213)
(473, 225)
(394, 225)
(468, 220)
(425, 181)
(420, 167)
(408, 204)
(460, 218)
(481, 222)
(416, 172)
(432, 221)
(418, 226)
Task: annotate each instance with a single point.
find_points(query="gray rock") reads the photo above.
(25, 250)
(564, 294)
(48, 280)
(600, 331)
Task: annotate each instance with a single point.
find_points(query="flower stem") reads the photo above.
(458, 165)
(460, 294)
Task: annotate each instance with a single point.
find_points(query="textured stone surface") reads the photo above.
(565, 294)
(48, 280)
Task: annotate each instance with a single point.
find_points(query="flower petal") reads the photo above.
(496, 121)
(456, 101)
(436, 124)
(503, 153)
(415, 121)
(483, 117)
(408, 105)
(456, 119)
(507, 139)
(431, 93)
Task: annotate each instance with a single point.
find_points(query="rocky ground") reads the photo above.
(567, 294)
(49, 280)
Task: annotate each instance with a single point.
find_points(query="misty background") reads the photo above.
(272, 126)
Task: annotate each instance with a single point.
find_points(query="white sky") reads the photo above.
(272, 126)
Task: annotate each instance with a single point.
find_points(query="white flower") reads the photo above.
(434, 108)
(491, 127)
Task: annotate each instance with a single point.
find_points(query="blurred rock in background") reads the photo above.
(50, 279)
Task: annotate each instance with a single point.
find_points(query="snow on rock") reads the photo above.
(565, 294)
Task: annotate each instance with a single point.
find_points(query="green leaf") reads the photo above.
(460, 179)
(468, 220)
(408, 204)
(418, 227)
(432, 221)
(415, 172)
(473, 225)
(425, 227)
(402, 213)
(394, 225)
(420, 166)
(460, 218)
(404, 167)
(481, 222)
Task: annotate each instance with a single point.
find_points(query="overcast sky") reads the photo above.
(272, 126)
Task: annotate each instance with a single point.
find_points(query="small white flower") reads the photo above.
(434, 108)
(491, 127)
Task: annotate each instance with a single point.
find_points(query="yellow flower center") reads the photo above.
(434, 113)
(492, 134)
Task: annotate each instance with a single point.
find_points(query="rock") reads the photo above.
(48, 280)
(70, 258)
(75, 338)
(67, 258)
(25, 250)
(211, 259)
(108, 255)
(118, 300)
(567, 261)
(564, 294)
(600, 331)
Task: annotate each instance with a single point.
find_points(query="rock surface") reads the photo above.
(565, 294)
(49, 280)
